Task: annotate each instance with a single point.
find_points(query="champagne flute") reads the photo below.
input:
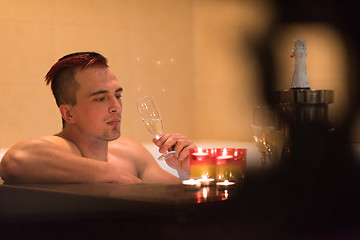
(269, 134)
(152, 120)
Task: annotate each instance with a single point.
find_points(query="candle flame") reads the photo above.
(200, 150)
(224, 152)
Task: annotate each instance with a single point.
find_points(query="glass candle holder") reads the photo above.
(230, 163)
(202, 163)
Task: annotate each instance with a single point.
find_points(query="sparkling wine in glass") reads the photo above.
(269, 135)
(152, 120)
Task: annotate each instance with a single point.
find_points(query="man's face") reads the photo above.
(98, 109)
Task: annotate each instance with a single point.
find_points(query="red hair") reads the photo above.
(79, 59)
(61, 74)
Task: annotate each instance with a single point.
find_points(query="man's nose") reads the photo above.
(115, 105)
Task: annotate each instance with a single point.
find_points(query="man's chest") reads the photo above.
(123, 162)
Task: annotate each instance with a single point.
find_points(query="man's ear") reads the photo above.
(65, 110)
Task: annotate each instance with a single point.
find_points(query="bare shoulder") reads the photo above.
(47, 142)
(63, 143)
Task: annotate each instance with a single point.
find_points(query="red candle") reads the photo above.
(222, 163)
(230, 163)
(202, 163)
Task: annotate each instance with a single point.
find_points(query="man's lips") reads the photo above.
(113, 122)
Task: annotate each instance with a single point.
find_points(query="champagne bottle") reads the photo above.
(305, 110)
(300, 78)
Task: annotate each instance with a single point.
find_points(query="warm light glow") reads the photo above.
(226, 194)
(158, 62)
(225, 183)
(205, 193)
(191, 182)
(224, 152)
(205, 181)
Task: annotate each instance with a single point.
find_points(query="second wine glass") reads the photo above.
(152, 120)
(269, 134)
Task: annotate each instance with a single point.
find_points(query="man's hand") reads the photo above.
(182, 146)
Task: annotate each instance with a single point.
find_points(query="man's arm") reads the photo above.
(42, 161)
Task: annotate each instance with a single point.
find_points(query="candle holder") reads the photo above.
(202, 163)
(230, 163)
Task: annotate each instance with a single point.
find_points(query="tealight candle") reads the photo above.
(224, 185)
(205, 181)
(202, 163)
(222, 163)
(224, 155)
(191, 184)
(199, 155)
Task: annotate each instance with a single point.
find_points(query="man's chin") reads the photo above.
(112, 137)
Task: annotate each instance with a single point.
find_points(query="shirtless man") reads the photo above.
(89, 147)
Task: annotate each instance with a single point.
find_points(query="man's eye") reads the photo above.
(100, 99)
(118, 96)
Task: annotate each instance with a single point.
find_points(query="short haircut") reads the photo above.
(61, 76)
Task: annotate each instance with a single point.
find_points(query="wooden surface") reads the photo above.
(32, 202)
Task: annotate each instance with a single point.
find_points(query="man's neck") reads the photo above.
(89, 147)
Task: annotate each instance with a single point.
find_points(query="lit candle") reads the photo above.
(224, 155)
(224, 185)
(222, 164)
(202, 163)
(191, 184)
(205, 181)
(200, 155)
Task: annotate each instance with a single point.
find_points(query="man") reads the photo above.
(88, 149)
